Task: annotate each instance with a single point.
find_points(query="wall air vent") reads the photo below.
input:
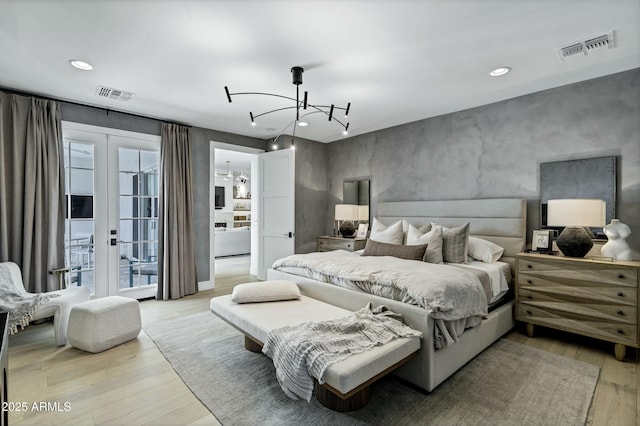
(587, 46)
(115, 94)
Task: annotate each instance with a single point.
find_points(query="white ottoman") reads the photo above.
(100, 324)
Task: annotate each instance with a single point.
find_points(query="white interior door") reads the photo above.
(111, 224)
(276, 208)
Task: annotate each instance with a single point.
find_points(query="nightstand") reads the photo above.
(327, 243)
(595, 298)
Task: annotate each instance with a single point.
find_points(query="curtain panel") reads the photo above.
(32, 204)
(177, 261)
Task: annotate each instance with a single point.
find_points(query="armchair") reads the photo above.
(58, 307)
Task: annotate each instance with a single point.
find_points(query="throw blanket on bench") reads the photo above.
(311, 347)
(20, 305)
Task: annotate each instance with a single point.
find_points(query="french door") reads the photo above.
(111, 232)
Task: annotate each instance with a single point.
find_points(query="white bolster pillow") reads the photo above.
(265, 291)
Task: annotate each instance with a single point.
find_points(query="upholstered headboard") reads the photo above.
(500, 220)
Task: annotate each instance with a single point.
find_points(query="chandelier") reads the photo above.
(307, 108)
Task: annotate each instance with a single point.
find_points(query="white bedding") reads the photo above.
(454, 297)
(499, 274)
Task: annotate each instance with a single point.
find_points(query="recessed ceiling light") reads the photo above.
(81, 65)
(499, 71)
(303, 123)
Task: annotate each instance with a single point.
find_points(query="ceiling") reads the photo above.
(395, 61)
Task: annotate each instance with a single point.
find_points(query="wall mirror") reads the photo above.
(583, 178)
(356, 191)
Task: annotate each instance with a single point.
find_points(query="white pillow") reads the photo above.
(386, 234)
(265, 291)
(484, 251)
(405, 229)
(433, 239)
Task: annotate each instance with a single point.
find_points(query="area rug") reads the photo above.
(507, 384)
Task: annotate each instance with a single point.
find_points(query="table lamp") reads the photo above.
(575, 215)
(345, 214)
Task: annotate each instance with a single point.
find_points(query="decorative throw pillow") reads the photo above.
(405, 229)
(265, 291)
(484, 251)
(433, 238)
(375, 248)
(386, 234)
(454, 243)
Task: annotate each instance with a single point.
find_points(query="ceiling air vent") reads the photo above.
(585, 47)
(115, 94)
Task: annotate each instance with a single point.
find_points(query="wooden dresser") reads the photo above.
(595, 298)
(327, 243)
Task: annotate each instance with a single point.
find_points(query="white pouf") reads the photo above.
(100, 324)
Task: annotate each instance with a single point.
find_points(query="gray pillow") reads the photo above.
(376, 248)
(455, 243)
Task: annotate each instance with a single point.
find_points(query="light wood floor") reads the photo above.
(133, 383)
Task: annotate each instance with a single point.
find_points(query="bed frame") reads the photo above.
(501, 220)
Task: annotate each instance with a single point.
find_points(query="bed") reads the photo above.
(501, 221)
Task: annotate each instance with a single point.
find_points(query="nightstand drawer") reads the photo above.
(336, 243)
(562, 270)
(581, 309)
(619, 332)
(579, 291)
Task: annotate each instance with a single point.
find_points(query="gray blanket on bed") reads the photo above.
(303, 352)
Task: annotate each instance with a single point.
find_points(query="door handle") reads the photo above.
(290, 235)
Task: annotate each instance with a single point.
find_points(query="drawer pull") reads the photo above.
(620, 294)
(620, 331)
(620, 276)
(620, 312)
(529, 297)
(349, 245)
(529, 282)
(528, 312)
(529, 266)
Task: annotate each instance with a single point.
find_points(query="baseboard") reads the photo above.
(206, 285)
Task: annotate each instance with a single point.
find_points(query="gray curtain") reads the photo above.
(31, 188)
(177, 260)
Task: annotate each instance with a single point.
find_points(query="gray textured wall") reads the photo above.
(200, 139)
(495, 150)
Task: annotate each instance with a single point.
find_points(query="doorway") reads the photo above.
(233, 216)
(111, 223)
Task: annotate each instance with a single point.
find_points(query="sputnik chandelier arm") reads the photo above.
(296, 72)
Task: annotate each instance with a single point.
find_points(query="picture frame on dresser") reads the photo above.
(363, 228)
(541, 240)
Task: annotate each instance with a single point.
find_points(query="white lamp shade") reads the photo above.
(363, 213)
(576, 212)
(346, 212)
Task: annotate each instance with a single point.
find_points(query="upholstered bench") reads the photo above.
(100, 324)
(347, 382)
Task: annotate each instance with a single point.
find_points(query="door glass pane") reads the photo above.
(79, 224)
(129, 160)
(149, 161)
(138, 199)
(128, 183)
(148, 184)
(127, 227)
(81, 181)
(128, 206)
(81, 155)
